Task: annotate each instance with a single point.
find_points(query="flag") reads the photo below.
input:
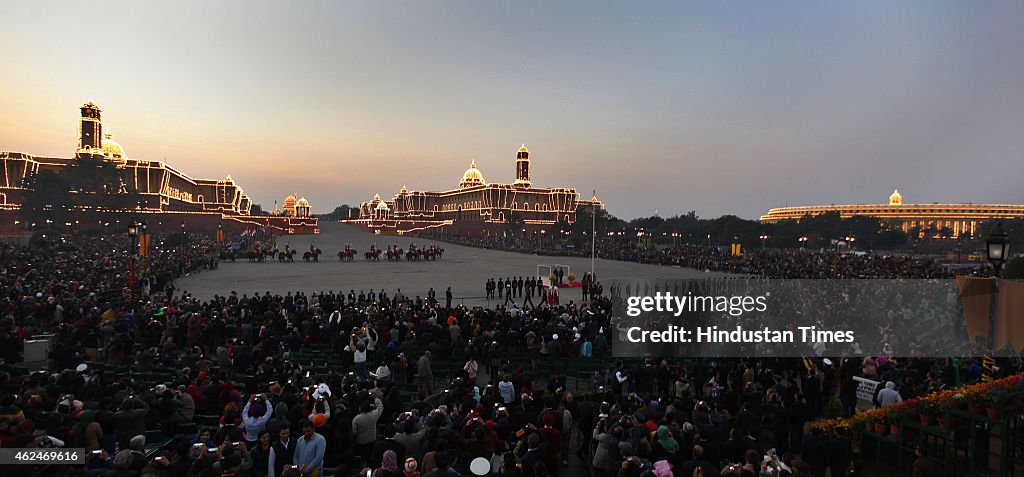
(144, 245)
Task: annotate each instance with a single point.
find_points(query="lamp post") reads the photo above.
(997, 248)
(182, 246)
(803, 242)
(764, 241)
(133, 233)
(144, 231)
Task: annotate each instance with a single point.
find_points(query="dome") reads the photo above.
(383, 206)
(472, 177)
(376, 197)
(289, 202)
(896, 198)
(405, 190)
(112, 149)
(524, 149)
(302, 203)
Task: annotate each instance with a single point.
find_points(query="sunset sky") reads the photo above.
(722, 107)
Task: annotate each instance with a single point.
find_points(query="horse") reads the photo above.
(374, 255)
(395, 254)
(348, 254)
(311, 256)
(286, 257)
(413, 254)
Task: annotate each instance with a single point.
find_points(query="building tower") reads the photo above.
(90, 130)
(896, 198)
(523, 167)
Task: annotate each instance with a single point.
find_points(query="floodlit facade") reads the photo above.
(152, 187)
(935, 219)
(476, 206)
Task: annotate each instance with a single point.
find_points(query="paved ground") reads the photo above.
(464, 268)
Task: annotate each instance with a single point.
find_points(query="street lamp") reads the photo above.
(998, 248)
(764, 241)
(803, 241)
(183, 246)
(133, 233)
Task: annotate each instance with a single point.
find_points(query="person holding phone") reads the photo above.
(282, 453)
(309, 451)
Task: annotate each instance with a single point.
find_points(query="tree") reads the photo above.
(341, 212)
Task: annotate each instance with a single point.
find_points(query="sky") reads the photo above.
(722, 107)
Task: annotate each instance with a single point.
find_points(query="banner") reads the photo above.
(866, 389)
(1010, 321)
(144, 245)
(976, 297)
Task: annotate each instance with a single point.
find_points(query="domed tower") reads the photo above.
(523, 167)
(896, 198)
(112, 150)
(302, 208)
(472, 177)
(90, 130)
(288, 207)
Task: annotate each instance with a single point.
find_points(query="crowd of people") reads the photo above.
(409, 386)
(764, 262)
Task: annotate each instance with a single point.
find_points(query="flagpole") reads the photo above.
(593, 234)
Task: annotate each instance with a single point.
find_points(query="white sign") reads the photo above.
(866, 389)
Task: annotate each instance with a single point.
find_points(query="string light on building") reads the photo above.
(935, 220)
(476, 206)
(158, 187)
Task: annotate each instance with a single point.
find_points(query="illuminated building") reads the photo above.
(292, 207)
(933, 220)
(476, 206)
(152, 187)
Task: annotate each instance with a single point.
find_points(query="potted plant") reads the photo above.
(930, 408)
(895, 415)
(881, 426)
(977, 401)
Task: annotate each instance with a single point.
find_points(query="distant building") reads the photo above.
(476, 206)
(153, 187)
(928, 220)
(292, 207)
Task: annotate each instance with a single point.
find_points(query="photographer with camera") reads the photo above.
(255, 414)
(364, 424)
